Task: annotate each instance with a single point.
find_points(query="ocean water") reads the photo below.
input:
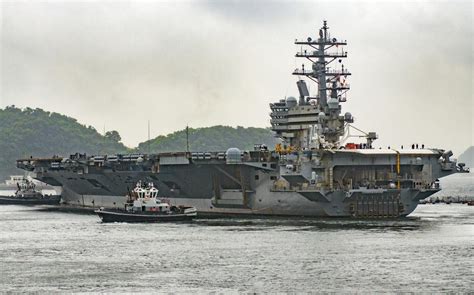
(50, 251)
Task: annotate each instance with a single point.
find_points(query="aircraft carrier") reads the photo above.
(315, 171)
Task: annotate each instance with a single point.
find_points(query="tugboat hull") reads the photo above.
(111, 216)
(53, 200)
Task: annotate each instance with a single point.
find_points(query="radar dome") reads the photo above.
(291, 102)
(322, 116)
(233, 156)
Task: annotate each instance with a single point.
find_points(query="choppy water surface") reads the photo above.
(43, 251)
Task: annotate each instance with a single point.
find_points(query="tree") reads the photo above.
(113, 135)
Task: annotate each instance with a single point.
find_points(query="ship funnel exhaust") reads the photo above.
(303, 90)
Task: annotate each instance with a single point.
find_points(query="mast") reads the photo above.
(187, 138)
(148, 137)
(316, 121)
(318, 54)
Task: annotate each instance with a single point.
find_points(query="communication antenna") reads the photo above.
(148, 137)
(103, 141)
(187, 138)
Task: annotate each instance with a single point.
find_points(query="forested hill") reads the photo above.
(25, 132)
(35, 132)
(216, 138)
(467, 157)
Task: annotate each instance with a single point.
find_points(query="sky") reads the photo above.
(120, 64)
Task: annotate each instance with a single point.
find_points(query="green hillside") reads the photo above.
(25, 132)
(216, 138)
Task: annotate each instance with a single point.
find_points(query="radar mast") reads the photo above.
(316, 121)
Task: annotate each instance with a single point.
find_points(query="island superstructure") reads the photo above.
(315, 171)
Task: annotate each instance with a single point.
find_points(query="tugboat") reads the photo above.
(142, 205)
(27, 194)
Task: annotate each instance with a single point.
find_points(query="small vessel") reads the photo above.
(143, 206)
(462, 168)
(27, 194)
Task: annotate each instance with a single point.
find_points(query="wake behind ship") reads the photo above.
(315, 171)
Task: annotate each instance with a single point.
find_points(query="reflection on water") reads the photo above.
(49, 251)
(305, 224)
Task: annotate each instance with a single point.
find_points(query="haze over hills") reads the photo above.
(35, 132)
(467, 157)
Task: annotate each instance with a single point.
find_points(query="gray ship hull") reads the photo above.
(283, 204)
(266, 187)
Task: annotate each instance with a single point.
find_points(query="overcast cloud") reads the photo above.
(120, 64)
